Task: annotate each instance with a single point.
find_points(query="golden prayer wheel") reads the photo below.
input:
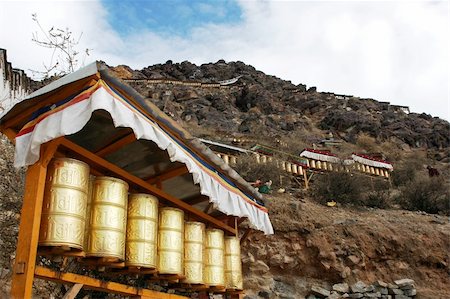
(142, 231)
(313, 163)
(88, 210)
(377, 171)
(108, 218)
(372, 170)
(233, 264)
(358, 166)
(214, 258)
(264, 159)
(330, 166)
(171, 241)
(194, 235)
(294, 168)
(300, 170)
(288, 167)
(64, 207)
(319, 164)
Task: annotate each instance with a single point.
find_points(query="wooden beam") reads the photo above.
(73, 292)
(116, 145)
(101, 164)
(195, 200)
(30, 220)
(168, 175)
(26, 113)
(10, 133)
(100, 285)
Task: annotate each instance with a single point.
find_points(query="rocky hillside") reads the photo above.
(313, 245)
(266, 106)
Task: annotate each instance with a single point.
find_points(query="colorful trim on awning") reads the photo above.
(71, 115)
(366, 160)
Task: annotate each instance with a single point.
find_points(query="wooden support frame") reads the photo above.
(27, 243)
(168, 175)
(112, 147)
(99, 285)
(101, 164)
(73, 292)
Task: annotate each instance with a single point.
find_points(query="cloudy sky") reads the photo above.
(395, 51)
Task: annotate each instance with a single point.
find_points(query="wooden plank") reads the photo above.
(102, 164)
(10, 133)
(27, 243)
(99, 285)
(195, 200)
(26, 113)
(116, 145)
(73, 292)
(168, 175)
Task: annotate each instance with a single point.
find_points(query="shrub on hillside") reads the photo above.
(347, 188)
(431, 195)
(251, 171)
(340, 187)
(378, 199)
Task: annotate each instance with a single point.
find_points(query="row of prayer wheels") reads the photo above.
(323, 165)
(291, 167)
(228, 159)
(98, 216)
(371, 170)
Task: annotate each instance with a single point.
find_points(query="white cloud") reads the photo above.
(390, 51)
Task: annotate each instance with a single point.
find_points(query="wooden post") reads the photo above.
(30, 218)
(305, 177)
(73, 292)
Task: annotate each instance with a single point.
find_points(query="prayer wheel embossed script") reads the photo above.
(88, 210)
(64, 207)
(171, 241)
(142, 230)
(108, 218)
(233, 264)
(214, 258)
(194, 236)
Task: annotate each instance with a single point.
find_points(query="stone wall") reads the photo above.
(14, 84)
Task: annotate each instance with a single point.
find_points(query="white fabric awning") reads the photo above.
(75, 114)
(372, 163)
(320, 157)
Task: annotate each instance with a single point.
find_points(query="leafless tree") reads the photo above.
(65, 56)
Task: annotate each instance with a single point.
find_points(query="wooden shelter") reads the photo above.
(92, 116)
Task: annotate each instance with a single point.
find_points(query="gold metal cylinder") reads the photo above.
(194, 236)
(64, 207)
(108, 219)
(142, 231)
(88, 210)
(214, 258)
(233, 264)
(171, 241)
(313, 163)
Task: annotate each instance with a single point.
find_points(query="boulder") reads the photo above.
(341, 287)
(404, 282)
(359, 287)
(319, 291)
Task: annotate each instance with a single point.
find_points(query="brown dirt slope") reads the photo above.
(315, 244)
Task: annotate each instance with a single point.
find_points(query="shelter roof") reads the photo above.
(103, 115)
